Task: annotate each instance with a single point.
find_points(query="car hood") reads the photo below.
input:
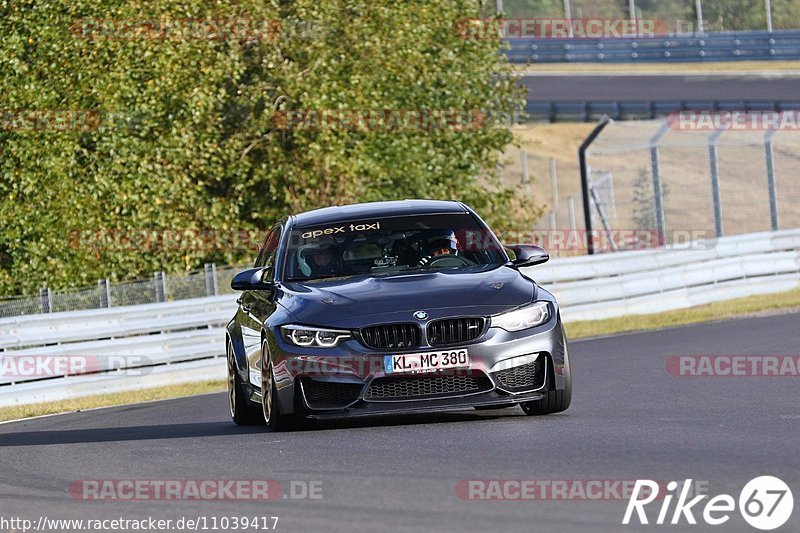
(360, 300)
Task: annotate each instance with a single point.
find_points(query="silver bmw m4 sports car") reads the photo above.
(392, 307)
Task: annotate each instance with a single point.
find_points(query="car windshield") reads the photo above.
(390, 245)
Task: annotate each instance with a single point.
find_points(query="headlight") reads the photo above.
(307, 336)
(524, 318)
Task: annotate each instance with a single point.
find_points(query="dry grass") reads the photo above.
(108, 400)
(543, 142)
(749, 306)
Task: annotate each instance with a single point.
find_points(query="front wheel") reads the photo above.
(270, 406)
(556, 401)
(242, 411)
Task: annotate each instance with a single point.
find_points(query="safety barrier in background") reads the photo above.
(175, 342)
(211, 281)
(592, 111)
(722, 46)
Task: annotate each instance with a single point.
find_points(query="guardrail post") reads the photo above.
(105, 292)
(211, 279)
(715, 191)
(773, 191)
(46, 300)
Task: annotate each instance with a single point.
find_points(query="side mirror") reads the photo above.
(253, 279)
(528, 255)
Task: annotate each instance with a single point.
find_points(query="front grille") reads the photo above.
(391, 336)
(529, 376)
(454, 330)
(330, 393)
(420, 387)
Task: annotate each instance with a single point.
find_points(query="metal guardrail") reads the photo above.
(723, 46)
(211, 281)
(175, 342)
(592, 111)
(118, 349)
(652, 281)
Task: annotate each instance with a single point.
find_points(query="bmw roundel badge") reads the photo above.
(420, 315)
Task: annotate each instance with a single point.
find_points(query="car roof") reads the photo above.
(377, 209)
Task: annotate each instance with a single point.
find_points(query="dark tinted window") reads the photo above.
(390, 245)
(266, 256)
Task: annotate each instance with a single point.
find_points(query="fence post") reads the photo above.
(573, 224)
(46, 300)
(658, 188)
(554, 183)
(568, 16)
(160, 285)
(105, 292)
(715, 192)
(587, 208)
(526, 183)
(768, 6)
(773, 191)
(699, 9)
(211, 279)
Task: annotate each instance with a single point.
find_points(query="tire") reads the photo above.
(270, 407)
(556, 401)
(242, 411)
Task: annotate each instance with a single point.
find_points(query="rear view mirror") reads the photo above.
(528, 255)
(253, 279)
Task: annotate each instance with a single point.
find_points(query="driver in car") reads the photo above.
(323, 260)
(441, 242)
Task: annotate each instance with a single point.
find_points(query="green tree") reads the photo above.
(188, 136)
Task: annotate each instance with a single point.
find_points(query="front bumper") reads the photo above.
(505, 369)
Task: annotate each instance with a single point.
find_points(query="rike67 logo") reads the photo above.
(766, 503)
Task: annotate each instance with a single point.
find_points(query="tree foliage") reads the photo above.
(184, 134)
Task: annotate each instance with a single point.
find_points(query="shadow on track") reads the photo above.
(389, 420)
(225, 428)
(166, 431)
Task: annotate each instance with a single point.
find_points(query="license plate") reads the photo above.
(426, 362)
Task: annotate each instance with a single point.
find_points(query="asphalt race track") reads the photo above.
(629, 419)
(673, 87)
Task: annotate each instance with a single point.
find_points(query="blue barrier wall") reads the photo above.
(727, 46)
(628, 110)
